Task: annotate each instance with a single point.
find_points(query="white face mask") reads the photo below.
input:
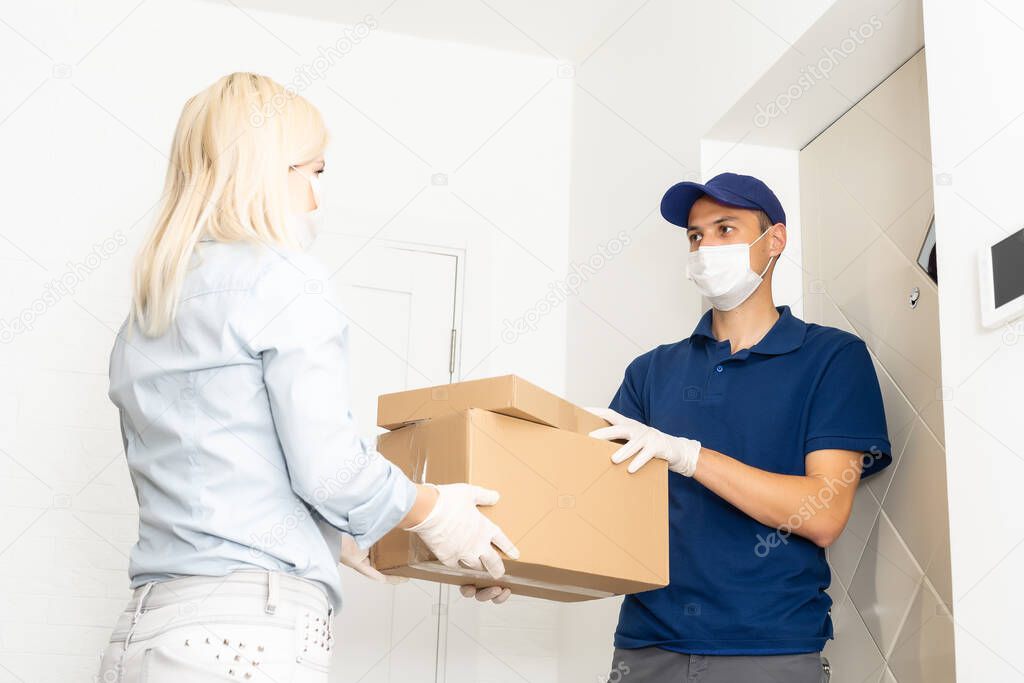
(723, 274)
(306, 225)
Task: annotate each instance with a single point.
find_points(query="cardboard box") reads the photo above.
(585, 527)
(508, 395)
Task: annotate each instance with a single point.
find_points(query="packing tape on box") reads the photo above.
(418, 551)
(567, 416)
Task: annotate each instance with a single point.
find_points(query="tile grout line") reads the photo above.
(903, 395)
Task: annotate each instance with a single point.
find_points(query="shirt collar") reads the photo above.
(785, 335)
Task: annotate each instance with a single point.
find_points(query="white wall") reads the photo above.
(641, 106)
(89, 100)
(975, 54)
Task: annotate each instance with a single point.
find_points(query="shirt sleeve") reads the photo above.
(846, 410)
(628, 400)
(299, 332)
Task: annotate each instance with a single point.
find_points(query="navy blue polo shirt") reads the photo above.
(738, 587)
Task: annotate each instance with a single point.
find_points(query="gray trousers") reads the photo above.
(654, 665)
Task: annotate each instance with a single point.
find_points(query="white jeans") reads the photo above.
(249, 626)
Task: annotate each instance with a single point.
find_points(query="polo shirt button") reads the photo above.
(719, 368)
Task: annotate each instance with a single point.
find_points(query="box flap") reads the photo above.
(509, 395)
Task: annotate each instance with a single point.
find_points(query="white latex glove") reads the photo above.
(646, 443)
(357, 558)
(495, 594)
(460, 535)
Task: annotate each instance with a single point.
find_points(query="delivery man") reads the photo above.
(767, 423)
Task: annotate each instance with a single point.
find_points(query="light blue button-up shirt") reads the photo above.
(238, 430)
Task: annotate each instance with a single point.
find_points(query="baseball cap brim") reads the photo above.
(680, 198)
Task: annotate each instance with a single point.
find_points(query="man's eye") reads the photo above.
(695, 237)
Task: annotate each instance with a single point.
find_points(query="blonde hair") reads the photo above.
(226, 180)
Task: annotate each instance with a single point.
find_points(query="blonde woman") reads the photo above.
(231, 377)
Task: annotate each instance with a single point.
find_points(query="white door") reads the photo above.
(401, 305)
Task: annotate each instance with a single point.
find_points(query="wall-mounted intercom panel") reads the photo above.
(1001, 267)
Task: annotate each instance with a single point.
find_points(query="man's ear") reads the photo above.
(777, 239)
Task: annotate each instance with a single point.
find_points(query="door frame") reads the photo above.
(459, 254)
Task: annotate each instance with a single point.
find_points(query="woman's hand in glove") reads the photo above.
(357, 558)
(460, 535)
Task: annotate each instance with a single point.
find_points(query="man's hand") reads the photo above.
(646, 443)
(495, 594)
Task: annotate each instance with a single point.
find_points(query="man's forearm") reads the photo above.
(815, 506)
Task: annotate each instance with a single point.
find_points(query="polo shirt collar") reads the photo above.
(785, 335)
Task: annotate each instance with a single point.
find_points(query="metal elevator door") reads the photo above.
(866, 209)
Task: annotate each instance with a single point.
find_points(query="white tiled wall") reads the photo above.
(866, 200)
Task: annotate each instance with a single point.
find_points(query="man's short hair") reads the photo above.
(763, 221)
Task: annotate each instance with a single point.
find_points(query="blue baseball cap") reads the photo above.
(744, 191)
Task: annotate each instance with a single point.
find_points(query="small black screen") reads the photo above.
(1008, 268)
